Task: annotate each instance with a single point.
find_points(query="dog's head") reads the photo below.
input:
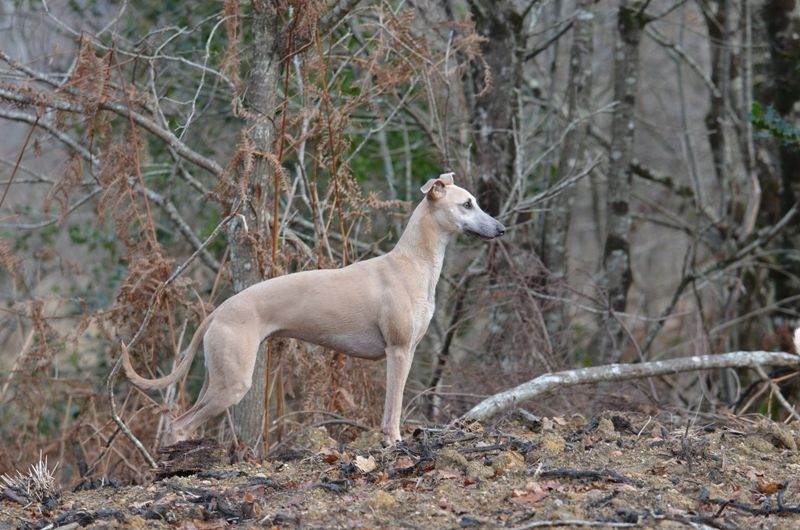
(456, 210)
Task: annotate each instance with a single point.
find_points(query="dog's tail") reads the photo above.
(178, 372)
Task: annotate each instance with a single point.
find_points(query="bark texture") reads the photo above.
(616, 251)
(557, 218)
(247, 263)
(781, 19)
(493, 106)
(717, 19)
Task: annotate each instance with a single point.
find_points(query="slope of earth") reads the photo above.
(617, 470)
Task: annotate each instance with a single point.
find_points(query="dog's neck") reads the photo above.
(424, 242)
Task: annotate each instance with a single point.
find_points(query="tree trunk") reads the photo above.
(557, 215)
(493, 109)
(247, 244)
(782, 91)
(616, 253)
(716, 16)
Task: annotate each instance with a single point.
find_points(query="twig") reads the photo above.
(10, 495)
(19, 159)
(777, 391)
(139, 119)
(604, 474)
(560, 33)
(574, 522)
(724, 503)
(622, 372)
(763, 237)
(556, 189)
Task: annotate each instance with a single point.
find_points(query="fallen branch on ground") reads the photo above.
(543, 384)
(604, 474)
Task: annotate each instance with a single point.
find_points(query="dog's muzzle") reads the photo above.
(488, 232)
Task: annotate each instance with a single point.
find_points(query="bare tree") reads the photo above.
(616, 251)
(250, 236)
(557, 216)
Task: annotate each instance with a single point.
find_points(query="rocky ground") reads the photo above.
(616, 470)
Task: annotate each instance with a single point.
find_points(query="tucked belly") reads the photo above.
(366, 343)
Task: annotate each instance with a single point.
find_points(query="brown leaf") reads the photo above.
(560, 420)
(443, 474)
(527, 496)
(769, 488)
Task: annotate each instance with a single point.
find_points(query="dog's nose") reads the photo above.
(500, 230)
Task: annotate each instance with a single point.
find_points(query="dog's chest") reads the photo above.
(360, 342)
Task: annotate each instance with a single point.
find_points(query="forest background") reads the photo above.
(643, 155)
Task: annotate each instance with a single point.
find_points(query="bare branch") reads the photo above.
(623, 372)
(122, 110)
(679, 52)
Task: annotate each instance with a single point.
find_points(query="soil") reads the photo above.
(616, 470)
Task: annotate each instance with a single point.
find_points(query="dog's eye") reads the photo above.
(468, 204)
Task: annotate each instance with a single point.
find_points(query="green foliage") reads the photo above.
(425, 161)
(772, 125)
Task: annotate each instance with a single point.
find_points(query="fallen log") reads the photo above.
(546, 383)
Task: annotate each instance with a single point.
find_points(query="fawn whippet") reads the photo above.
(380, 307)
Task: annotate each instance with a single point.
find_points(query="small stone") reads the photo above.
(315, 440)
(508, 462)
(779, 435)
(605, 429)
(477, 471)
(552, 443)
(381, 500)
(657, 431)
(451, 459)
(759, 444)
(577, 422)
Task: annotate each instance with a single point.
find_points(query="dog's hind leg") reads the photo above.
(230, 361)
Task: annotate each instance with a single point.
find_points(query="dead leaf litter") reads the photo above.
(617, 470)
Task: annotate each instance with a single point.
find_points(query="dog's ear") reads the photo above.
(447, 178)
(434, 189)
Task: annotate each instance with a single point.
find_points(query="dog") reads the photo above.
(377, 308)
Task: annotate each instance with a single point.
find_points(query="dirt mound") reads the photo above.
(616, 470)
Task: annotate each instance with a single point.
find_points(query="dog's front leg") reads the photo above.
(398, 364)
